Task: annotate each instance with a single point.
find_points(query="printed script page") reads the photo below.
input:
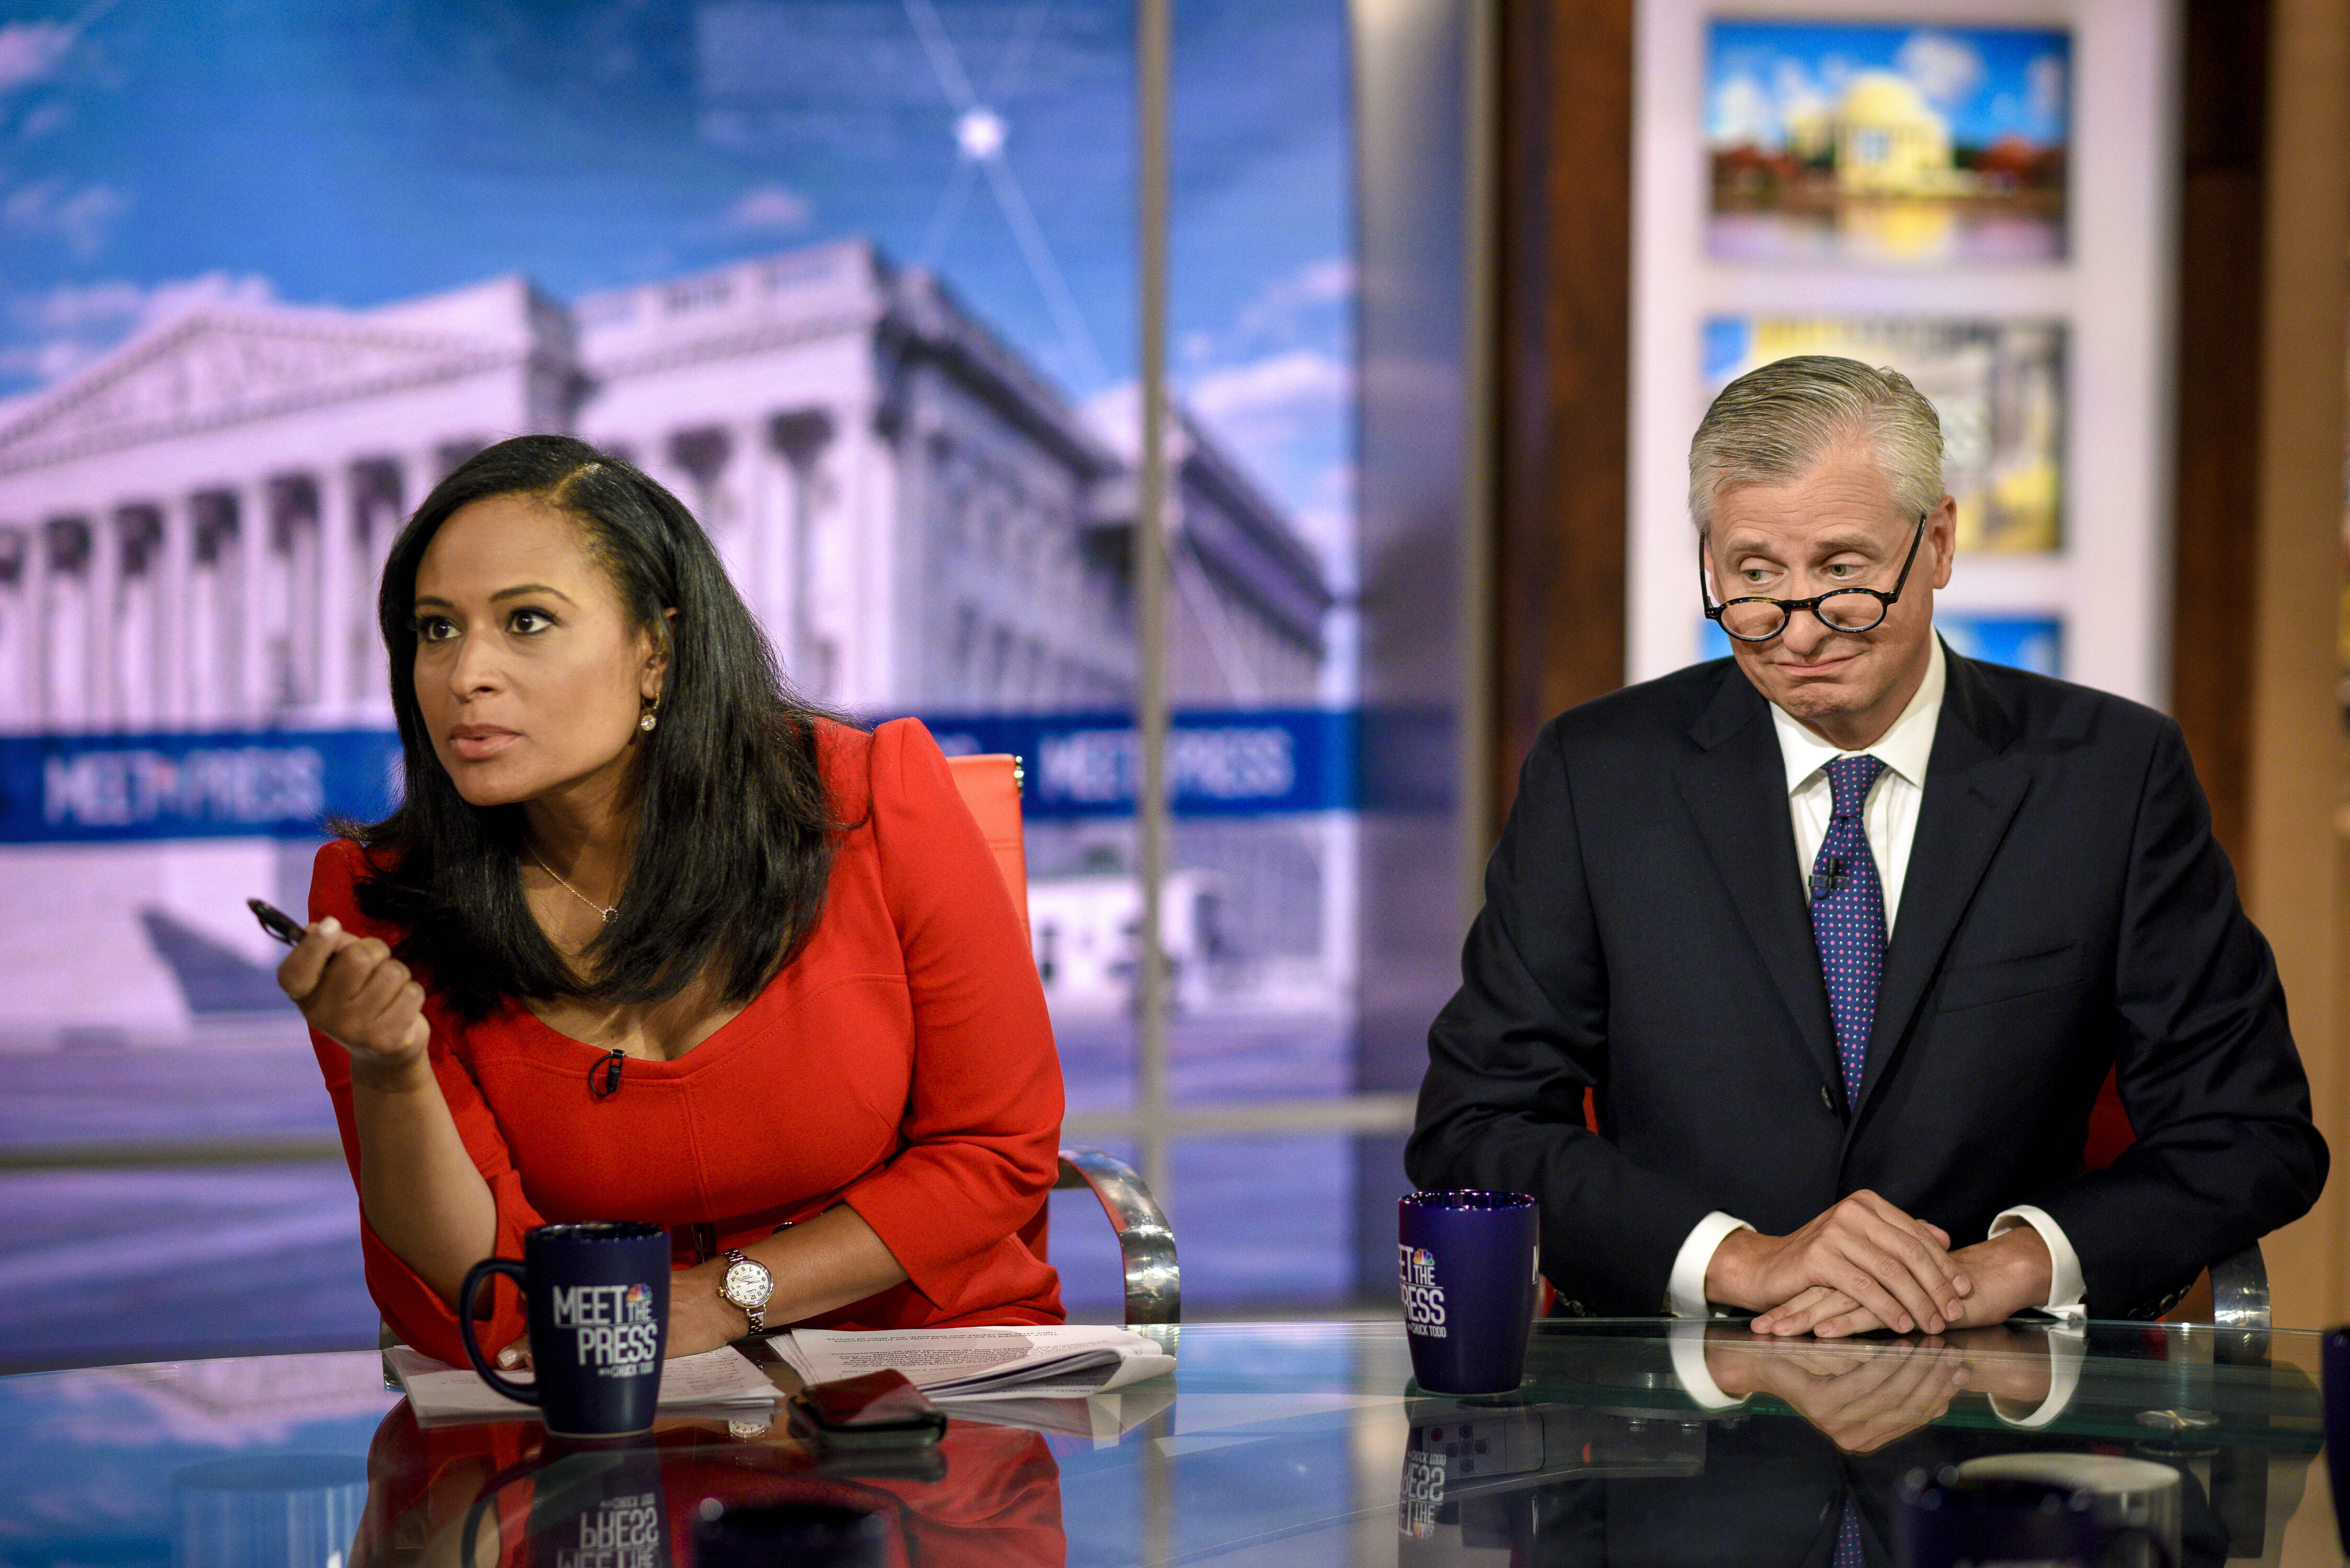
(1047, 1361)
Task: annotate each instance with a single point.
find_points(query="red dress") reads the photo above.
(903, 1063)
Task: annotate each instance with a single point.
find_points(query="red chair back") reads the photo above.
(2109, 1127)
(989, 784)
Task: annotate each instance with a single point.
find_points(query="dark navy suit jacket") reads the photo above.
(2066, 910)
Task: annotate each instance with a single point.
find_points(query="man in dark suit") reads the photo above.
(1846, 931)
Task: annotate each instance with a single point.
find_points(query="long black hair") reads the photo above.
(733, 833)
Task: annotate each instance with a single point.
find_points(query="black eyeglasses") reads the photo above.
(1760, 619)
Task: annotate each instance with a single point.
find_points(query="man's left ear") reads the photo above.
(1943, 537)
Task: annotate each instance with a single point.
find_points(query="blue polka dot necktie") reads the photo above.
(1848, 916)
(1849, 1553)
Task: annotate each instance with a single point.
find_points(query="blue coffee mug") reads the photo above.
(1468, 1266)
(2333, 1372)
(597, 1299)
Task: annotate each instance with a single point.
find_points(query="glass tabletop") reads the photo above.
(1287, 1444)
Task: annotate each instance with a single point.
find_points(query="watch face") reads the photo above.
(748, 1283)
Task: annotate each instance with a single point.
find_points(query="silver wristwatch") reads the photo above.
(748, 1284)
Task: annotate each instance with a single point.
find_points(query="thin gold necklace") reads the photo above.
(609, 915)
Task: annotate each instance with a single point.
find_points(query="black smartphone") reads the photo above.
(275, 921)
(877, 1409)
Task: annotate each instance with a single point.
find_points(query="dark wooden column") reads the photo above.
(2221, 258)
(1562, 360)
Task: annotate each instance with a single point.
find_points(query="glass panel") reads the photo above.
(1262, 1224)
(1274, 1216)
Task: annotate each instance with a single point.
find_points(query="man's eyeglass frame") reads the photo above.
(1787, 608)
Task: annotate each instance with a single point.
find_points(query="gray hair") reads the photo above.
(1772, 424)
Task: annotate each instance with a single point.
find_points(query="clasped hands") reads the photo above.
(1864, 1266)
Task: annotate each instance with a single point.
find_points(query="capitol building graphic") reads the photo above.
(190, 529)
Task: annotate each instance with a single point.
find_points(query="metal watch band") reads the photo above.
(757, 1314)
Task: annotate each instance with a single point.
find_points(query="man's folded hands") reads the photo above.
(1865, 1265)
(2009, 1273)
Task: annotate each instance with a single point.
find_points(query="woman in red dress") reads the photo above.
(648, 939)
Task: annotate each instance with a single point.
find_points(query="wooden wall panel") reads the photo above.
(2264, 295)
(2286, 571)
(2223, 141)
(1562, 325)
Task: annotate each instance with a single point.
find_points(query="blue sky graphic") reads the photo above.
(156, 154)
(1989, 81)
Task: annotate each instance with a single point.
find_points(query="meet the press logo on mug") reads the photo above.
(1422, 1496)
(615, 1325)
(1423, 1298)
(624, 1532)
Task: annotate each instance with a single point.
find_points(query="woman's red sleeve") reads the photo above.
(982, 1121)
(414, 1309)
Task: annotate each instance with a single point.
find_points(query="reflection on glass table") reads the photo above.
(1292, 1445)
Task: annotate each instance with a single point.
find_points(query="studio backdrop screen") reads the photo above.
(857, 280)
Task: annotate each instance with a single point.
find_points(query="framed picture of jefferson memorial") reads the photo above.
(1882, 143)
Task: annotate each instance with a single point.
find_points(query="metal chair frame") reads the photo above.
(1154, 1286)
(2239, 1291)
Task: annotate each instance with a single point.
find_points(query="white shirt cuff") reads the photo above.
(2067, 1345)
(2065, 1287)
(1685, 1289)
(1687, 1343)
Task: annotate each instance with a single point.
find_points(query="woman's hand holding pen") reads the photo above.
(419, 1188)
(354, 993)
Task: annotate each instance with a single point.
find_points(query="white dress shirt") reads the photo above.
(1889, 819)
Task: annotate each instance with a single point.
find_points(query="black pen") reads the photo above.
(275, 921)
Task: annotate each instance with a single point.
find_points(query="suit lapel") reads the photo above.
(1972, 790)
(1736, 791)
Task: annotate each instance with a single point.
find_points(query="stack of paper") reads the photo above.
(1055, 1362)
(1104, 1418)
(723, 1378)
